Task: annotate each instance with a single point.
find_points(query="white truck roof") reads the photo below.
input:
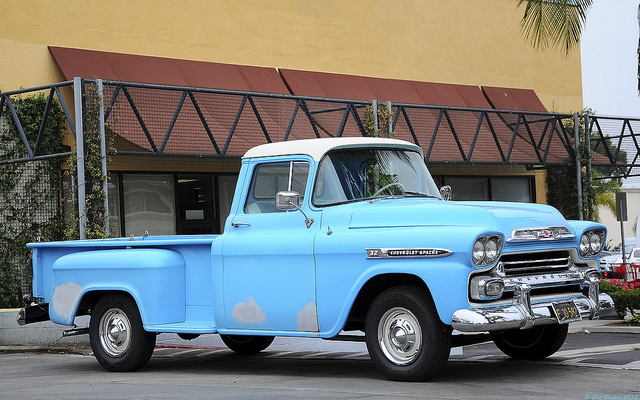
(317, 148)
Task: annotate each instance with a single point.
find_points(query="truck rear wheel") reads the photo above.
(405, 337)
(533, 344)
(118, 339)
(246, 344)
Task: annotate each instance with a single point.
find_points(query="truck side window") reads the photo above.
(271, 178)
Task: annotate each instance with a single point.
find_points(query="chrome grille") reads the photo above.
(547, 262)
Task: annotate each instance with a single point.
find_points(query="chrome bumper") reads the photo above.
(523, 314)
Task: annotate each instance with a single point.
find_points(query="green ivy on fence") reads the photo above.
(30, 192)
(384, 117)
(562, 187)
(95, 194)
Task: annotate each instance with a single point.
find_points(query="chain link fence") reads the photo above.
(618, 141)
(32, 153)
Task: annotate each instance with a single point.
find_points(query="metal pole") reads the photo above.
(576, 129)
(103, 155)
(374, 108)
(624, 255)
(390, 119)
(587, 132)
(621, 215)
(77, 99)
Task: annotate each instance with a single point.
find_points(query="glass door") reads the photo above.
(195, 204)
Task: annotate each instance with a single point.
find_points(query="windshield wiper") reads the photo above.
(388, 196)
(408, 193)
(421, 194)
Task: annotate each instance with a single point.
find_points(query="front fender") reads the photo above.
(343, 267)
(447, 282)
(155, 278)
(580, 226)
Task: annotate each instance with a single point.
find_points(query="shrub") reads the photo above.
(625, 298)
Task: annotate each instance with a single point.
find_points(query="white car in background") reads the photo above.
(634, 256)
(629, 244)
(607, 263)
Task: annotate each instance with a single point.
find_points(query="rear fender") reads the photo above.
(155, 278)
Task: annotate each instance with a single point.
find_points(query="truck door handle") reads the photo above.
(237, 224)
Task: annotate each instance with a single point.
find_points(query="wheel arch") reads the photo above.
(374, 287)
(90, 298)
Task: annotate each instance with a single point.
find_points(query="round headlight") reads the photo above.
(595, 243)
(584, 245)
(491, 250)
(478, 252)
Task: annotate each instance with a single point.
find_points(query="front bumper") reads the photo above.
(523, 314)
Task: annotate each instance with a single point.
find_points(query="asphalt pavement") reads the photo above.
(606, 343)
(592, 364)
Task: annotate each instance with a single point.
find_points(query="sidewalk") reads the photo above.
(602, 325)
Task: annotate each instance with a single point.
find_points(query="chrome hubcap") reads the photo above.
(400, 336)
(115, 332)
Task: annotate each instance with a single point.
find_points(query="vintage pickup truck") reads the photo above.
(330, 238)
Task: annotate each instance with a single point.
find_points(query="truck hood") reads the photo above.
(501, 216)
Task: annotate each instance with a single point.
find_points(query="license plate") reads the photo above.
(566, 311)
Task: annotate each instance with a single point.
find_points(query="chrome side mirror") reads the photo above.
(286, 201)
(446, 193)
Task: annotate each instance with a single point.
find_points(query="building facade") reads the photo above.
(451, 45)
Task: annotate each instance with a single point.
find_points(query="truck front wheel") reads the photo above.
(247, 344)
(118, 339)
(406, 339)
(533, 344)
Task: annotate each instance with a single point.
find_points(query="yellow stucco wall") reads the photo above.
(475, 42)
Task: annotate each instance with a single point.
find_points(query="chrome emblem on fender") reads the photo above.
(408, 253)
(545, 234)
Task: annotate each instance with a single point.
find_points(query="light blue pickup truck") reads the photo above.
(332, 238)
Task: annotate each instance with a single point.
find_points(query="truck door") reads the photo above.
(268, 263)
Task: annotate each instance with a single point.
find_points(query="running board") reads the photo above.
(347, 338)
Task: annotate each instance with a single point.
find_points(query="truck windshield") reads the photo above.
(363, 174)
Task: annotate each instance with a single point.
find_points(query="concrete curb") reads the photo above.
(38, 334)
(611, 328)
(79, 349)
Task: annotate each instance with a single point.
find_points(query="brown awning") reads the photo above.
(199, 123)
(341, 86)
(513, 99)
(92, 64)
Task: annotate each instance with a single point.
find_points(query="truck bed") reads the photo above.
(177, 274)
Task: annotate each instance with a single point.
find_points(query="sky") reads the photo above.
(608, 48)
(609, 58)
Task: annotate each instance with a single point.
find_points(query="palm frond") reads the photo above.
(607, 200)
(554, 23)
